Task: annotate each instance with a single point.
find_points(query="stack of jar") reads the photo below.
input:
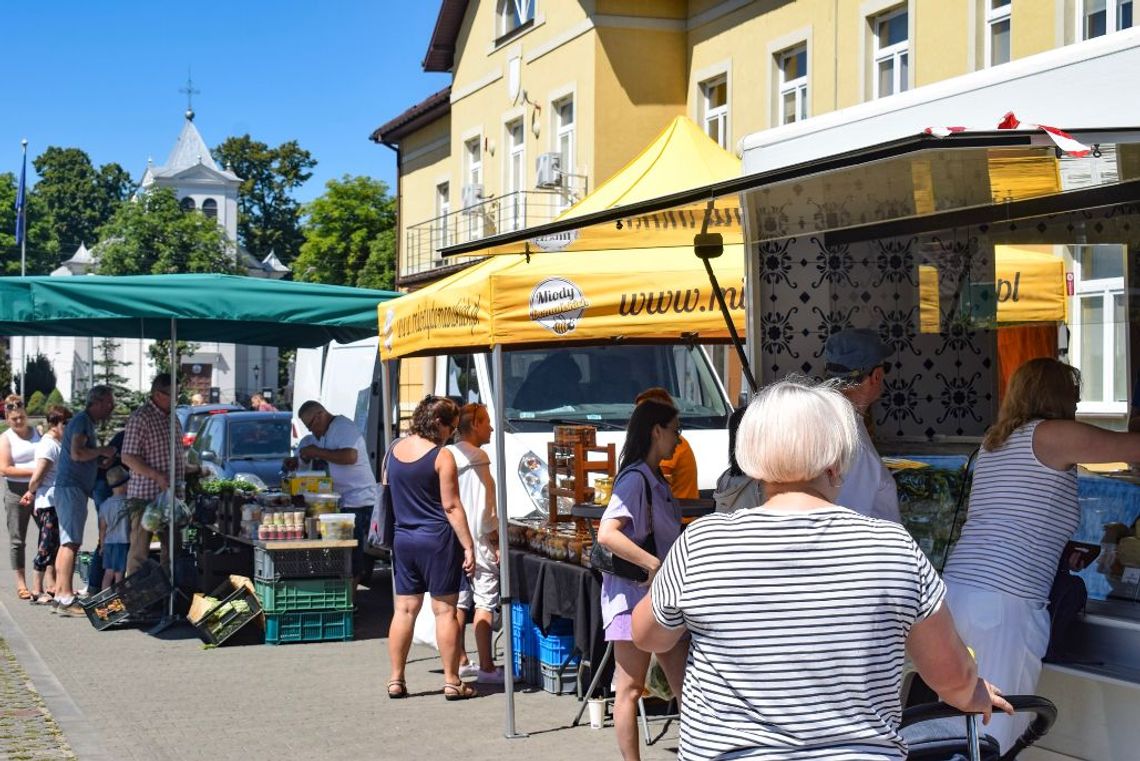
(282, 524)
(250, 520)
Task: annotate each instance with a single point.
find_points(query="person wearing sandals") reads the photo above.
(17, 458)
(41, 496)
(652, 436)
(432, 548)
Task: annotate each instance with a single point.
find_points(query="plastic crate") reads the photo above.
(528, 670)
(291, 595)
(556, 683)
(523, 631)
(274, 565)
(237, 605)
(556, 649)
(133, 595)
(308, 626)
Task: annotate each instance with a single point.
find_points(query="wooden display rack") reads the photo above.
(575, 462)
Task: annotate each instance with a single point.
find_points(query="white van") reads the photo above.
(594, 385)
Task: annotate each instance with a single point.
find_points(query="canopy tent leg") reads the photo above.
(386, 417)
(505, 598)
(170, 619)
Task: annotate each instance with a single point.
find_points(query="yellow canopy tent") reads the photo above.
(590, 296)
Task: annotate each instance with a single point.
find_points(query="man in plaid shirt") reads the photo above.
(146, 451)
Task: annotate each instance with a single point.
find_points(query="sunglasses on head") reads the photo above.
(13, 405)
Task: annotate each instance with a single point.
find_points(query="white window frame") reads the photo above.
(1107, 289)
(1112, 9)
(994, 17)
(564, 132)
(715, 114)
(894, 53)
(514, 175)
(442, 212)
(798, 86)
(526, 12)
(473, 175)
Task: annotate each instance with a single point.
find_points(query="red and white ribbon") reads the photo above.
(1063, 140)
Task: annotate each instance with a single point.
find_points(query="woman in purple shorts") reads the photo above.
(432, 548)
(653, 433)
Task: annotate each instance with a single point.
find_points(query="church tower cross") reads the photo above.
(190, 91)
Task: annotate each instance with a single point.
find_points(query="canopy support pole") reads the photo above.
(708, 247)
(386, 436)
(171, 487)
(505, 598)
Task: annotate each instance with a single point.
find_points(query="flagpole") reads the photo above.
(22, 226)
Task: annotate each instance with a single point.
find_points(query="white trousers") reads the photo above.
(1009, 636)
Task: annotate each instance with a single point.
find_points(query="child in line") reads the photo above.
(115, 526)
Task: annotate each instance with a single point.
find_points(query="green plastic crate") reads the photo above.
(308, 626)
(293, 595)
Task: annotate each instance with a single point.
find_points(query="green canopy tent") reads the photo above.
(225, 308)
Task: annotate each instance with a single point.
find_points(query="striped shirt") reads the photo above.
(799, 624)
(1022, 512)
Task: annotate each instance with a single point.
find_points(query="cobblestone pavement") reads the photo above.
(27, 729)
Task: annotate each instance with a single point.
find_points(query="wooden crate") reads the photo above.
(575, 462)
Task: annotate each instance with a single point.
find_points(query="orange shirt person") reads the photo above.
(681, 469)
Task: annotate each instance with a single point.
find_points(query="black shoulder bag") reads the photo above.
(602, 559)
(382, 529)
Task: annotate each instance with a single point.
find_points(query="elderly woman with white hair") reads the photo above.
(801, 611)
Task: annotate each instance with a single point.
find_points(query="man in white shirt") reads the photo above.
(857, 357)
(336, 440)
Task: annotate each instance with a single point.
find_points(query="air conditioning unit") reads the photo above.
(548, 170)
(471, 196)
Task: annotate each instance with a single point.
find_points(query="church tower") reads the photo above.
(196, 180)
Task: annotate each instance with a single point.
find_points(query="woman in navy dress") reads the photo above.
(432, 548)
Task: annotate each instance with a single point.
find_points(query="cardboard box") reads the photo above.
(312, 482)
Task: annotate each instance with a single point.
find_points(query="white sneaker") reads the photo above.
(469, 670)
(490, 677)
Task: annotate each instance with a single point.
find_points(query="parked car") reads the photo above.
(246, 442)
(190, 418)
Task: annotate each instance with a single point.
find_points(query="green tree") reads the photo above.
(154, 236)
(78, 198)
(42, 246)
(105, 372)
(349, 238)
(5, 369)
(38, 376)
(36, 403)
(269, 218)
(55, 397)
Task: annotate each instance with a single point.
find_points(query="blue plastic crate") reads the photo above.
(524, 639)
(308, 626)
(528, 670)
(556, 649)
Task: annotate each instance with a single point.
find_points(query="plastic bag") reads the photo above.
(423, 633)
(655, 682)
(155, 515)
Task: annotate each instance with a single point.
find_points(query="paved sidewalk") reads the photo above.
(124, 694)
(27, 729)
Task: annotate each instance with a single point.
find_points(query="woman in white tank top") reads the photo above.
(17, 460)
(1023, 509)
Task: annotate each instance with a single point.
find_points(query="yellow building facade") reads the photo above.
(548, 98)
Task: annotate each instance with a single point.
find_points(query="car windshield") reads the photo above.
(259, 439)
(598, 384)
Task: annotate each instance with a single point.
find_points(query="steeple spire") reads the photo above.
(190, 93)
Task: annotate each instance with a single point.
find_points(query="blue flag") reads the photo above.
(21, 214)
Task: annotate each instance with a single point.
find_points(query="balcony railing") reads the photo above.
(507, 213)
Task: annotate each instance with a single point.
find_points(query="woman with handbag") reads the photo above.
(638, 527)
(432, 547)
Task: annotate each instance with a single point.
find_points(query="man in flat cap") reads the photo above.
(856, 356)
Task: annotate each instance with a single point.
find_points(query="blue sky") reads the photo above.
(105, 77)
